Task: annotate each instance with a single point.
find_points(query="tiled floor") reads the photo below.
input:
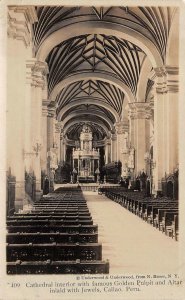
(130, 244)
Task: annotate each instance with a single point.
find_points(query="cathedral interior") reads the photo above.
(92, 106)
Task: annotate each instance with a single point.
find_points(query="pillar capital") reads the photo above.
(51, 110)
(45, 104)
(166, 70)
(107, 141)
(139, 110)
(172, 79)
(36, 73)
(58, 126)
(113, 136)
(20, 19)
(61, 135)
(166, 79)
(122, 127)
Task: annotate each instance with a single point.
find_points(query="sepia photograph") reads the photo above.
(92, 150)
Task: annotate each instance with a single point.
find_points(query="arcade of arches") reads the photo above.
(110, 71)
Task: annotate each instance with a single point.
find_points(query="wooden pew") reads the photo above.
(154, 211)
(50, 221)
(147, 208)
(57, 214)
(59, 211)
(160, 215)
(175, 227)
(54, 237)
(166, 223)
(49, 217)
(58, 267)
(53, 228)
(55, 251)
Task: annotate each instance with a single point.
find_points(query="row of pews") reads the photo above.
(56, 237)
(162, 213)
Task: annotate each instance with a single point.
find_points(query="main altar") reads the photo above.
(86, 158)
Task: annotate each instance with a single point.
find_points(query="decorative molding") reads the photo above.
(139, 110)
(51, 110)
(19, 30)
(45, 104)
(160, 71)
(108, 142)
(166, 79)
(172, 79)
(113, 137)
(44, 111)
(122, 127)
(62, 136)
(36, 74)
(29, 12)
(20, 20)
(58, 127)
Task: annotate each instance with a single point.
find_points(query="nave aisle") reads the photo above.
(130, 244)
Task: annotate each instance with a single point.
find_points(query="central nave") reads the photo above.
(130, 244)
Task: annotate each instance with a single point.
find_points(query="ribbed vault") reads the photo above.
(89, 109)
(94, 90)
(84, 66)
(153, 22)
(97, 118)
(108, 54)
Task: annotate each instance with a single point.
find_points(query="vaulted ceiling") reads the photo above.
(74, 131)
(102, 53)
(95, 100)
(152, 21)
(86, 90)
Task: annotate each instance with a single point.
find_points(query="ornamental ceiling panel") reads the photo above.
(87, 90)
(107, 55)
(88, 110)
(96, 53)
(89, 118)
(152, 22)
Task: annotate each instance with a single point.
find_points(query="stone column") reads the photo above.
(28, 151)
(172, 118)
(165, 123)
(139, 132)
(113, 147)
(107, 151)
(64, 148)
(38, 74)
(45, 104)
(51, 125)
(61, 146)
(58, 128)
(122, 145)
(20, 20)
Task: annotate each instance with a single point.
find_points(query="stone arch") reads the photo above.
(77, 121)
(98, 114)
(91, 101)
(124, 114)
(92, 75)
(103, 27)
(143, 80)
